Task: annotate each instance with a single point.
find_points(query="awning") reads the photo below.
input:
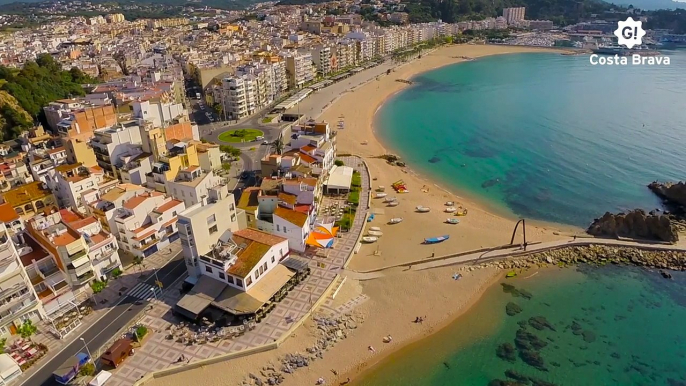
(12, 282)
(80, 261)
(296, 264)
(340, 177)
(201, 296)
(54, 279)
(237, 302)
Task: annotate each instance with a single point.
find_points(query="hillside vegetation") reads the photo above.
(24, 92)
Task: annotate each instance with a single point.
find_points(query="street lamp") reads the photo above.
(90, 357)
(154, 293)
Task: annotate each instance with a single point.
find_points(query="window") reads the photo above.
(265, 266)
(213, 229)
(208, 268)
(222, 276)
(281, 251)
(273, 259)
(229, 279)
(284, 229)
(233, 218)
(239, 282)
(211, 219)
(248, 281)
(261, 270)
(257, 274)
(173, 213)
(278, 229)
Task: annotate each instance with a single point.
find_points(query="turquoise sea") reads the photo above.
(549, 137)
(607, 326)
(544, 136)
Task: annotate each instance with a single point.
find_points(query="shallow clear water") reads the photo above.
(545, 136)
(630, 332)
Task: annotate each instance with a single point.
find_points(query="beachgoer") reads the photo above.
(320, 381)
(334, 372)
(370, 348)
(574, 237)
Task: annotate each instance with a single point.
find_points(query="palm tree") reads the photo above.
(278, 145)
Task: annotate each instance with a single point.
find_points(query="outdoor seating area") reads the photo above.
(25, 352)
(205, 331)
(64, 323)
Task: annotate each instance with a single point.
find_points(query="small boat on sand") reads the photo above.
(393, 203)
(381, 188)
(380, 195)
(369, 239)
(453, 221)
(511, 274)
(449, 203)
(422, 209)
(375, 233)
(450, 209)
(436, 240)
(395, 220)
(374, 228)
(390, 199)
(370, 218)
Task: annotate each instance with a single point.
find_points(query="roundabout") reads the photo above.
(240, 135)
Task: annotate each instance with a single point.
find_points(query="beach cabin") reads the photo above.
(70, 369)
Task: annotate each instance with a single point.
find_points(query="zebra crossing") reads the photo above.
(144, 291)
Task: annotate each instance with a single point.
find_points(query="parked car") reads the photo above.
(265, 142)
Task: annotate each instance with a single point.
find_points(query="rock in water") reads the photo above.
(512, 374)
(500, 382)
(533, 358)
(635, 224)
(506, 351)
(512, 309)
(589, 336)
(541, 323)
(674, 194)
(434, 160)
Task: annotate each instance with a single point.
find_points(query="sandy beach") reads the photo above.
(394, 301)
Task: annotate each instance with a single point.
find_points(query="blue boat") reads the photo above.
(436, 240)
(371, 217)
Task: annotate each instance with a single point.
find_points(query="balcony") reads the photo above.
(110, 268)
(28, 301)
(12, 302)
(49, 271)
(83, 279)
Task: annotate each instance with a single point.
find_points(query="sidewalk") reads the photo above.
(111, 295)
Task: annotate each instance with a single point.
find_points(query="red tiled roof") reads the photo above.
(165, 207)
(307, 148)
(307, 158)
(259, 236)
(7, 213)
(292, 216)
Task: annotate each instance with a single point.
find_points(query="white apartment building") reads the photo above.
(202, 224)
(191, 185)
(18, 298)
(147, 223)
(158, 112)
(514, 15)
(104, 206)
(238, 96)
(324, 60)
(70, 182)
(346, 54)
(293, 224)
(299, 69)
(241, 259)
(109, 144)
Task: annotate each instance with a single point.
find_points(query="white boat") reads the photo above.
(375, 233)
(449, 203)
(390, 199)
(381, 188)
(393, 203)
(453, 221)
(395, 220)
(374, 228)
(422, 209)
(369, 239)
(450, 209)
(380, 195)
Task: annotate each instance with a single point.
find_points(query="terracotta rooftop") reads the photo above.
(259, 236)
(248, 198)
(134, 201)
(67, 167)
(26, 193)
(165, 207)
(307, 148)
(288, 198)
(307, 158)
(292, 216)
(56, 150)
(248, 257)
(7, 213)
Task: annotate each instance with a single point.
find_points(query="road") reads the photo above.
(104, 329)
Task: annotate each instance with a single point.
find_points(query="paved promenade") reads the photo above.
(515, 250)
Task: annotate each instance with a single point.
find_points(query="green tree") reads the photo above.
(87, 370)
(278, 145)
(27, 329)
(226, 166)
(3, 342)
(218, 109)
(230, 150)
(338, 162)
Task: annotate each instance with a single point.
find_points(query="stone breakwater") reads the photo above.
(595, 254)
(329, 332)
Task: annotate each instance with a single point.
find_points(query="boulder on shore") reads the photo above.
(674, 194)
(635, 224)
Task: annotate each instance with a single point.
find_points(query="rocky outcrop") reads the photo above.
(673, 194)
(596, 255)
(636, 224)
